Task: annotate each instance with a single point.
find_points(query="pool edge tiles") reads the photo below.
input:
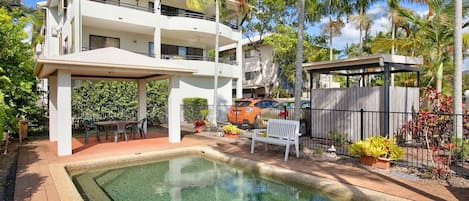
(62, 173)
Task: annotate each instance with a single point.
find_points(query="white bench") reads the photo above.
(279, 132)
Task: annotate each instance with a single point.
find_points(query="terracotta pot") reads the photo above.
(199, 129)
(381, 163)
(231, 135)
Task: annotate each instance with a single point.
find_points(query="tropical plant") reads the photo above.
(192, 108)
(118, 100)
(338, 138)
(231, 129)
(337, 8)
(17, 82)
(362, 19)
(378, 147)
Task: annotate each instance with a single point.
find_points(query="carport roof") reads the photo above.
(113, 63)
(403, 63)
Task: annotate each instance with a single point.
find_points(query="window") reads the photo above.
(264, 104)
(72, 25)
(151, 6)
(151, 49)
(65, 46)
(103, 41)
(182, 51)
(249, 75)
(250, 53)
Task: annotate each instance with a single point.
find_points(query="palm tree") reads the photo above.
(458, 43)
(299, 60)
(201, 5)
(362, 18)
(338, 8)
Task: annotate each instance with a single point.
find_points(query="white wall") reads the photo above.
(255, 64)
(203, 87)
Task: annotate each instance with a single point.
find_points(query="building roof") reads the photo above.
(373, 61)
(245, 41)
(107, 63)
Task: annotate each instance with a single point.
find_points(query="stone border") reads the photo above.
(67, 191)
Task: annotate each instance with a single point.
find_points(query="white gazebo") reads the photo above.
(105, 64)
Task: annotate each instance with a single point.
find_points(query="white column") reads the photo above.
(142, 101)
(157, 43)
(174, 110)
(64, 113)
(53, 108)
(239, 61)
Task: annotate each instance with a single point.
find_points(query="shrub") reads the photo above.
(233, 129)
(193, 107)
(461, 148)
(338, 138)
(377, 146)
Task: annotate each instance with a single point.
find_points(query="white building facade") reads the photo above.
(140, 41)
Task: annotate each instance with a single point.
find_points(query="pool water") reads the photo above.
(187, 178)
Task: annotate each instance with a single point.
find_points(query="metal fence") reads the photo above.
(428, 139)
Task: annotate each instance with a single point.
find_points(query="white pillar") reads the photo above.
(142, 101)
(53, 108)
(174, 110)
(157, 43)
(64, 113)
(239, 61)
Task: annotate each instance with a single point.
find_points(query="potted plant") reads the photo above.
(376, 151)
(199, 125)
(231, 131)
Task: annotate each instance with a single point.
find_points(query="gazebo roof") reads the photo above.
(113, 63)
(402, 63)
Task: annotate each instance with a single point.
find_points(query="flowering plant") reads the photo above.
(199, 123)
(378, 147)
(232, 129)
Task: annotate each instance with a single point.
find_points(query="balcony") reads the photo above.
(126, 5)
(177, 12)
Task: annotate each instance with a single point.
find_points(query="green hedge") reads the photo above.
(193, 107)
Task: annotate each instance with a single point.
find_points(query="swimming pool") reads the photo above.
(186, 178)
(195, 173)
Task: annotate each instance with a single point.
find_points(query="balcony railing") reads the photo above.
(184, 13)
(126, 5)
(186, 57)
(178, 57)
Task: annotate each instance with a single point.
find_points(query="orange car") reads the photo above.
(245, 112)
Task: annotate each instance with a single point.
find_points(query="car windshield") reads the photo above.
(242, 103)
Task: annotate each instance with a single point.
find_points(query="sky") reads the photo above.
(349, 33)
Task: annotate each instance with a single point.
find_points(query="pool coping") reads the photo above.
(67, 191)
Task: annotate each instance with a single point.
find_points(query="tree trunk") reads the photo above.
(439, 78)
(457, 90)
(330, 37)
(361, 31)
(299, 60)
(215, 79)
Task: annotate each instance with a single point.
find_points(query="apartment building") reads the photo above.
(260, 73)
(136, 40)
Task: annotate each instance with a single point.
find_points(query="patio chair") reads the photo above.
(89, 126)
(120, 130)
(140, 127)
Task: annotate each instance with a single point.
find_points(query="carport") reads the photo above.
(384, 99)
(104, 64)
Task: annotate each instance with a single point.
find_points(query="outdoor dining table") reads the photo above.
(119, 125)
